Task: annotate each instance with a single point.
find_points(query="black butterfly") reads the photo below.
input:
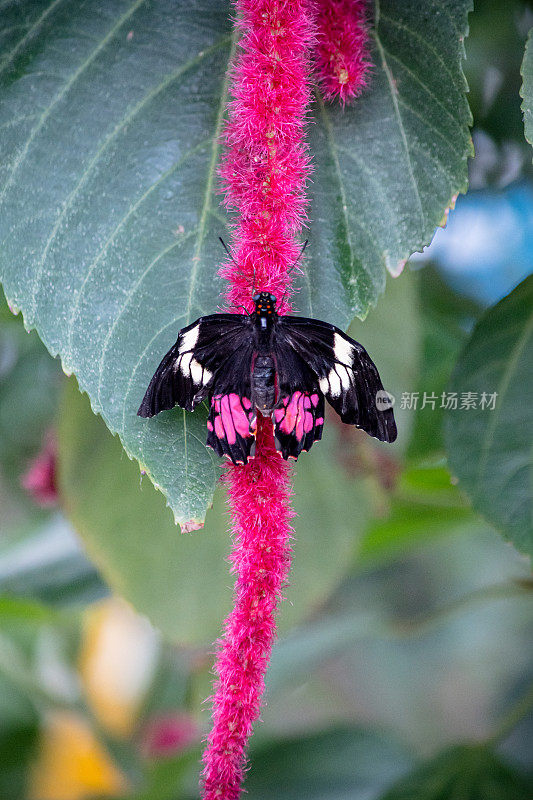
(279, 366)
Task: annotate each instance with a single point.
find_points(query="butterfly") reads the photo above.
(278, 366)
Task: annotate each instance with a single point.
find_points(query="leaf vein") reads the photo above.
(19, 160)
(128, 298)
(8, 58)
(398, 116)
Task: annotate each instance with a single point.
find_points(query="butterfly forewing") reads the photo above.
(346, 374)
(186, 374)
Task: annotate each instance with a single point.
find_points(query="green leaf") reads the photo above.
(49, 565)
(341, 764)
(396, 318)
(182, 582)
(465, 772)
(446, 319)
(109, 220)
(424, 505)
(110, 120)
(389, 166)
(18, 746)
(490, 450)
(526, 92)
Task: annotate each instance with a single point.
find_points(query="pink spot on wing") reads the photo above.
(291, 414)
(219, 428)
(227, 419)
(246, 403)
(209, 425)
(297, 417)
(241, 420)
(308, 422)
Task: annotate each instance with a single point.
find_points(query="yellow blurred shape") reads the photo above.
(117, 662)
(71, 764)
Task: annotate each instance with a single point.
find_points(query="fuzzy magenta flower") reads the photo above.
(341, 53)
(168, 734)
(40, 478)
(259, 496)
(266, 164)
(264, 172)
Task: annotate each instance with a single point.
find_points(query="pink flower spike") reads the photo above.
(259, 495)
(341, 53)
(264, 173)
(266, 165)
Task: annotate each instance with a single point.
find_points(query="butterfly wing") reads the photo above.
(346, 374)
(232, 422)
(299, 414)
(187, 372)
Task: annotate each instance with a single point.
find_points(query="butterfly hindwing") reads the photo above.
(298, 422)
(186, 374)
(299, 414)
(346, 374)
(232, 421)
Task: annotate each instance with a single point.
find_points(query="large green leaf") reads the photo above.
(48, 565)
(388, 167)
(182, 582)
(526, 91)
(490, 449)
(110, 120)
(463, 773)
(424, 505)
(340, 764)
(446, 319)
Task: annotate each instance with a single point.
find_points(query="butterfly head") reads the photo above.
(265, 304)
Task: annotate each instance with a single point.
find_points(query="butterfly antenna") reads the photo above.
(226, 248)
(300, 254)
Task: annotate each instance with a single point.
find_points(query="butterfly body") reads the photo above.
(263, 384)
(280, 366)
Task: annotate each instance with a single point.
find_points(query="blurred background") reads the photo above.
(413, 624)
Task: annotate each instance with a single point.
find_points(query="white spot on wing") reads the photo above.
(344, 376)
(199, 374)
(324, 385)
(334, 384)
(343, 349)
(189, 339)
(185, 363)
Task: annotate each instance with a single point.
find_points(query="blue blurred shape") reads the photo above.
(486, 248)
